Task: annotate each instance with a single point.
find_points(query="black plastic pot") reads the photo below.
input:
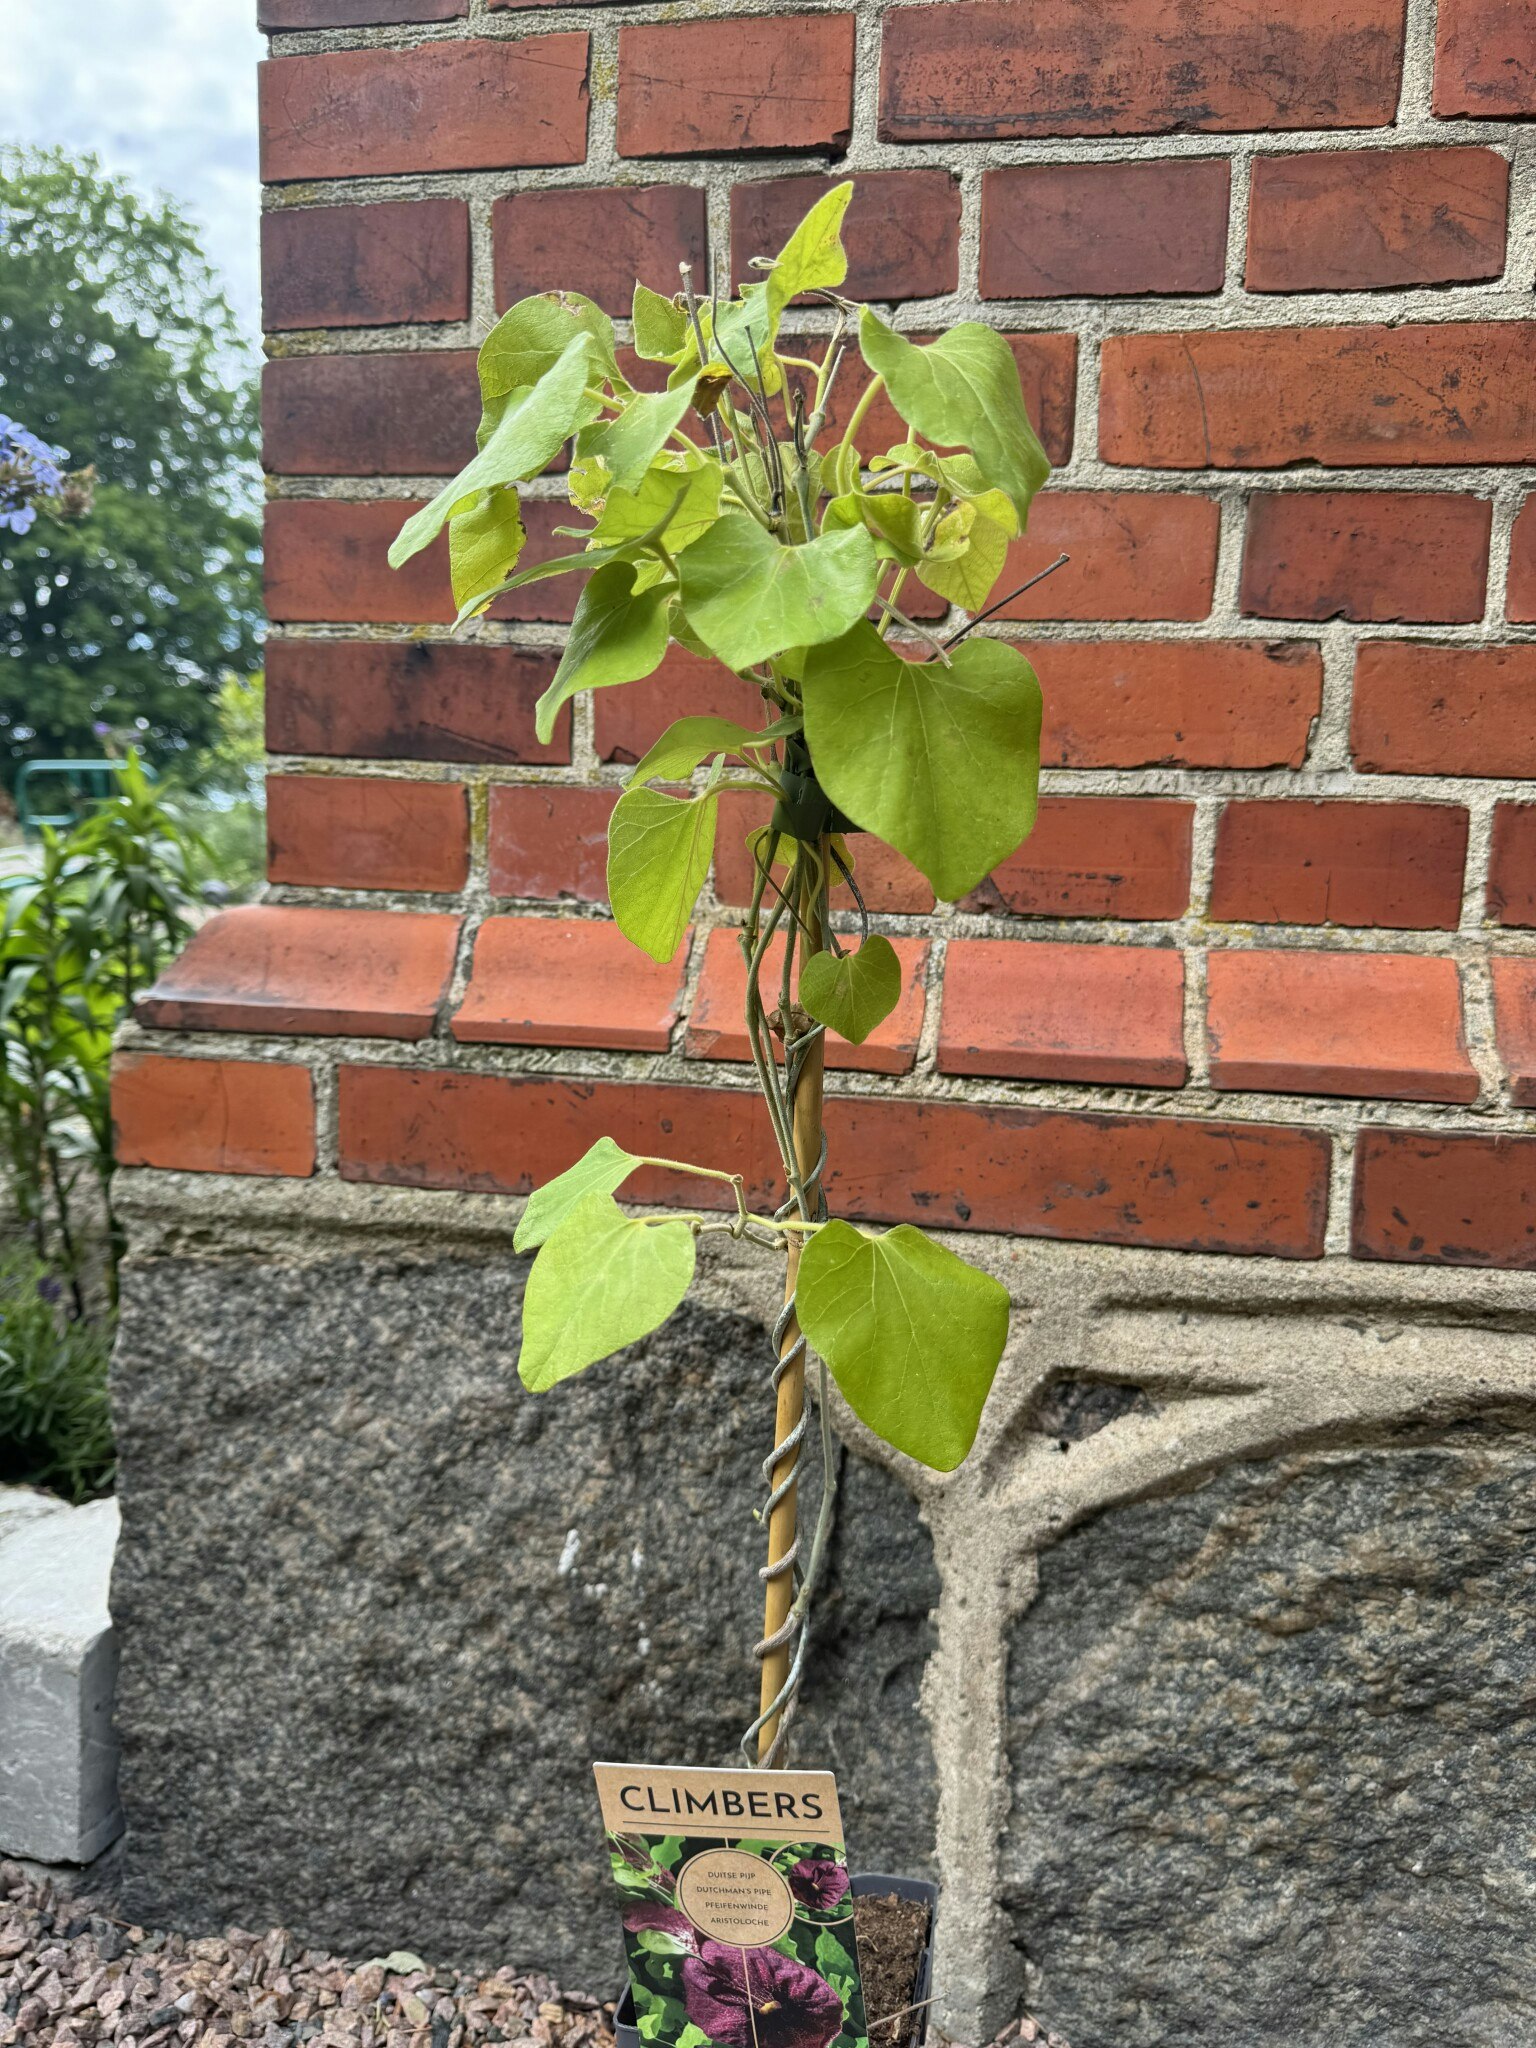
(862, 1883)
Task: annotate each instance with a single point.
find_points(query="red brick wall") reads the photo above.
(1264, 979)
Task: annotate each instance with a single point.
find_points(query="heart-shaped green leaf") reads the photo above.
(484, 543)
(617, 636)
(532, 427)
(601, 1281)
(970, 549)
(943, 763)
(659, 850)
(748, 598)
(895, 522)
(655, 506)
(962, 391)
(531, 336)
(661, 326)
(911, 1334)
(852, 992)
(602, 1169)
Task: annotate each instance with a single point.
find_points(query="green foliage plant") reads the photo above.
(715, 514)
(55, 1419)
(81, 933)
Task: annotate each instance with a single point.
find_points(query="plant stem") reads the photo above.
(778, 1593)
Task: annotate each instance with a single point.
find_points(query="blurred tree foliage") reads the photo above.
(117, 344)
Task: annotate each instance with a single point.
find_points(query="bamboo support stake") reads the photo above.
(779, 1588)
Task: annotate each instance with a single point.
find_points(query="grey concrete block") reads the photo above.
(381, 1608)
(58, 1670)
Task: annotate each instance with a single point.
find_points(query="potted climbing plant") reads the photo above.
(719, 513)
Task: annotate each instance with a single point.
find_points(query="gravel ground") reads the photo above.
(72, 1975)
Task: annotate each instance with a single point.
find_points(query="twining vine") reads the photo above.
(720, 514)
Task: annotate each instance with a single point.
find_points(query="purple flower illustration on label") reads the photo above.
(818, 1883)
(759, 1998)
(660, 1919)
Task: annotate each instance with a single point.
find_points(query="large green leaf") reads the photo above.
(531, 336)
(617, 636)
(602, 1169)
(943, 763)
(536, 421)
(852, 992)
(484, 544)
(962, 391)
(628, 445)
(659, 850)
(602, 1280)
(748, 598)
(911, 1334)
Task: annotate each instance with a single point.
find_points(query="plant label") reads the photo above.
(737, 1910)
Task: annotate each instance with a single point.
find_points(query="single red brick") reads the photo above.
(1041, 1012)
(567, 981)
(1375, 556)
(1262, 398)
(1110, 856)
(546, 840)
(887, 880)
(1444, 710)
(1343, 863)
(1512, 869)
(367, 832)
(1056, 231)
(598, 240)
(1177, 703)
(308, 973)
(1144, 67)
(1376, 1024)
(753, 82)
(365, 266)
(1047, 366)
(1257, 1189)
(1457, 1200)
(902, 230)
(717, 1030)
(418, 700)
(328, 559)
(1376, 219)
(456, 105)
(1522, 566)
(374, 415)
(626, 722)
(1485, 58)
(1133, 555)
(278, 16)
(1514, 1014)
(213, 1116)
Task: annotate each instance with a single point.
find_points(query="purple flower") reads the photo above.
(759, 1998)
(665, 1919)
(29, 469)
(819, 1884)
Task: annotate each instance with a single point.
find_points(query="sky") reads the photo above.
(164, 92)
